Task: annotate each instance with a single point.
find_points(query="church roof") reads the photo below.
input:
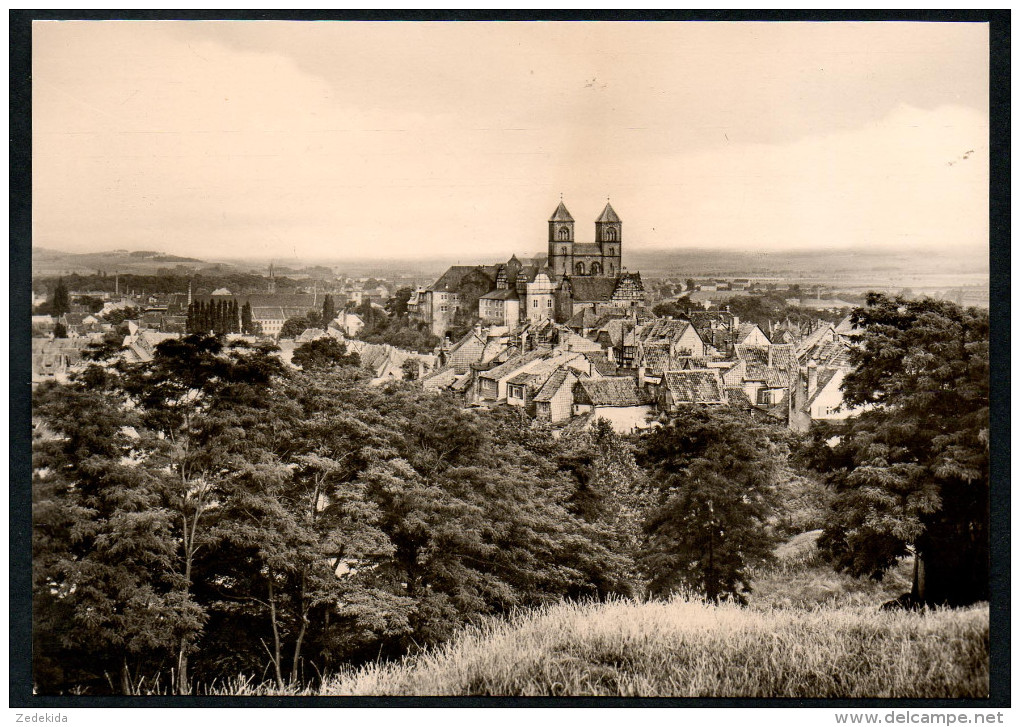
(608, 214)
(592, 289)
(561, 214)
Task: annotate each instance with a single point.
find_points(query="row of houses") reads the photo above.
(628, 369)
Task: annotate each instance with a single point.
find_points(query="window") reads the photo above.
(596, 269)
(610, 233)
(579, 268)
(610, 268)
(563, 251)
(534, 303)
(548, 303)
(564, 234)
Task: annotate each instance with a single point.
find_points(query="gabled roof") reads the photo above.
(663, 329)
(744, 330)
(584, 318)
(698, 386)
(553, 384)
(824, 377)
(561, 214)
(439, 379)
(608, 214)
(771, 376)
(573, 342)
(451, 279)
(512, 364)
(610, 391)
(600, 363)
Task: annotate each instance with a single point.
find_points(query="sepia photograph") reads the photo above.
(588, 358)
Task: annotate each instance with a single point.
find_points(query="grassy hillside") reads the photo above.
(686, 648)
(807, 632)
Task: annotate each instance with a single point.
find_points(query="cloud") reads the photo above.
(240, 139)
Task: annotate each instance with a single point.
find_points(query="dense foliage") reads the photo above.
(911, 473)
(211, 513)
(712, 485)
(397, 330)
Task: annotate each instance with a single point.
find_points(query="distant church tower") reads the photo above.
(609, 236)
(272, 281)
(561, 240)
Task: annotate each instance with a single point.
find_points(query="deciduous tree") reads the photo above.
(911, 473)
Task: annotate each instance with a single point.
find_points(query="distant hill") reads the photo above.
(47, 261)
(696, 262)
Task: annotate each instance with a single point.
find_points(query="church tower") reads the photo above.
(609, 237)
(561, 240)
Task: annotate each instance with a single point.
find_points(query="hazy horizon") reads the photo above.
(277, 140)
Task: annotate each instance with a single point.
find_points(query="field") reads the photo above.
(806, 632)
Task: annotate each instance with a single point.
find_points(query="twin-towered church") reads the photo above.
(573, 276)
(602, 257)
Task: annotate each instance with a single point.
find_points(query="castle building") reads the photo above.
(571, 277)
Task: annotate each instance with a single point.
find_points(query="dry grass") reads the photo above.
(685, 648)
(800, 578)
(807, 632)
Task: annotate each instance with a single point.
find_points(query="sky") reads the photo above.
(408, 140)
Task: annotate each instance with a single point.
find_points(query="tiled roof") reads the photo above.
(655, 358)
(525, 378)
(276, 313)
(608, 214)
(440, 379)
(662, 328)
(771, 376)
(512, 364)
(561, 214)
(754, 355)
(698, 386)
(303, 301)
(552, 385)
(600, 363)
(584, 318)
(744, 330)
(782, 355)
(592, 289)
(611, 391)
(452, 278)
(504, 294)
(574, 342)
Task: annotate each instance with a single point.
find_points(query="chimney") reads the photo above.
(812, 377)
(641, 376)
